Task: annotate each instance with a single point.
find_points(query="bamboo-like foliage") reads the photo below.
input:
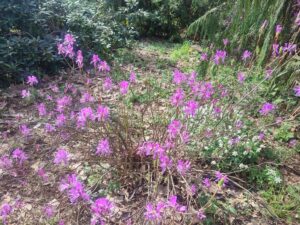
(241, 21)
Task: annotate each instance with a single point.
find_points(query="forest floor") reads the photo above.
(245, 204)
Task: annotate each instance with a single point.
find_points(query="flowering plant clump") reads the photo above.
(148, 154)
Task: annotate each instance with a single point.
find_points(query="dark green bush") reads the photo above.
(29, 30)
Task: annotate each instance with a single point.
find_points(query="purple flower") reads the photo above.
(297, 90)
(221, 177)
(49, 128)
(60, 120)
(66, 48)
(101, 207)
(5, 162)
(200, 215)
(154, 213)
(241, 77)
(292, 143)
(174, 128)
(178, 77)
(19, 155)
(172, 202)
(95, 60)
(132, 77)
(278, 29)
(191, 108)
(183, 166)
(225, 42)
(84, 115)
(246, 55)
(69, 39)
(219, 55)
(124, 87)
(25, 94)
(32, 80)
(24, 130)
(177, 98)
(261, 136)
(74, 187)
(266, 108)
(107, 84)
(61, 157)
(268, 73)
(102, 113)
(164, 162)
(42, 173)
(206, 90)
(275, 48)
(206, 182)
(42, 109)
(103, 66)
(289, 47)
(5, 211)
(103, 148)
(61, 103)
(86, 97)
(79, 59)
(203, 57)
(49, 211)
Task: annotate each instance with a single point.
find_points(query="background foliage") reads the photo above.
(29, 28)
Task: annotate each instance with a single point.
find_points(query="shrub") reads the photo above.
(156, 145)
